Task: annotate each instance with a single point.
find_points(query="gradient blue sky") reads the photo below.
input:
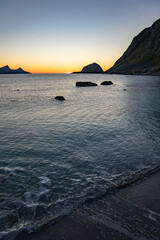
(62, 36)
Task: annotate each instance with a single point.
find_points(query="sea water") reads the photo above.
(55, 155)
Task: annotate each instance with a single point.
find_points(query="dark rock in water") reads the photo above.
(6, 70)
(60, 98)
(124, 89)
(85, 84)
(143, 54)
(91, 68)
(106, 83)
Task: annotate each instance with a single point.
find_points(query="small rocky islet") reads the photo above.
(91, 68)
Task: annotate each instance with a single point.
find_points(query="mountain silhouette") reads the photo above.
(143, 54)
(6, 70)
(91, 68)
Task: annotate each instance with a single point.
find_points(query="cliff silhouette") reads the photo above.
(143, 54)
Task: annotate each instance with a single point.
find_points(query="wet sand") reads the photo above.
(130, 213)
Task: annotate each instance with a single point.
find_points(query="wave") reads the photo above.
(13, 233)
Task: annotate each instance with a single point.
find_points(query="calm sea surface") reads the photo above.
(54, 155)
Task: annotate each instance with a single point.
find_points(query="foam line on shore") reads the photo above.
(14, 233)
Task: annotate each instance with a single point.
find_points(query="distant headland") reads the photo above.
(7, 70)
(91, 68)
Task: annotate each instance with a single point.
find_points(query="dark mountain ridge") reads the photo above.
(6, 70)
(143, 54)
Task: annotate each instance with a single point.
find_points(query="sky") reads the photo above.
(62, 36)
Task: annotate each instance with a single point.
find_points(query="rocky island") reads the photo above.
(143, 54)
(7, 70)
(91, 68)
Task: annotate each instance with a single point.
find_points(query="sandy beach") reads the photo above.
(130, 213)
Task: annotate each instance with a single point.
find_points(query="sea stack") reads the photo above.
(91, 68)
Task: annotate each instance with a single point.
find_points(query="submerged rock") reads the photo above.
(106, 83)
(85, 84)
(60, 98)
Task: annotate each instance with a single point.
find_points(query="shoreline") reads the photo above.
(125, 74)
(132, 212)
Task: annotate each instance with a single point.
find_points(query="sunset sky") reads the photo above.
(60, 36)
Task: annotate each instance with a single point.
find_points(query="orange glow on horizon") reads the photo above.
(43, 69)
(60, 60)
(55, 70)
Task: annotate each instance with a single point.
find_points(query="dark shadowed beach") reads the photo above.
(130, 213)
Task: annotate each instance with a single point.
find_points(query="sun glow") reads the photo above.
(35, 63)
(51, 37)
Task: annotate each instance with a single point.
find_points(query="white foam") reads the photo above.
(45, 180)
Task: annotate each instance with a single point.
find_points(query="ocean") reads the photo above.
(56, 155)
